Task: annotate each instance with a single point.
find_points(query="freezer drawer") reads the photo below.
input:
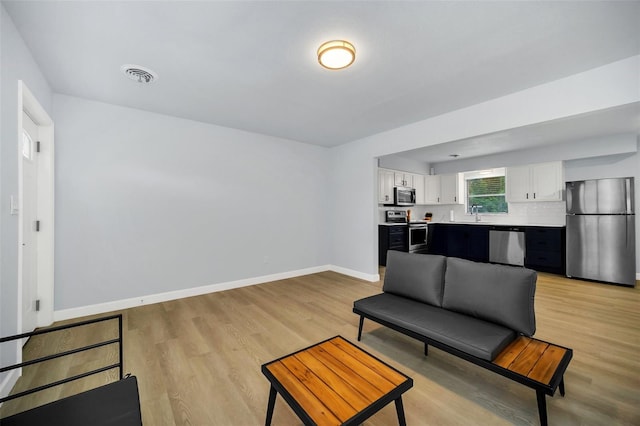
(602, 248)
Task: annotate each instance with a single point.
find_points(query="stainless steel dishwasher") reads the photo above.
(506, 245)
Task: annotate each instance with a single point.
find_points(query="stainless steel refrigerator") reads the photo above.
(601, 230)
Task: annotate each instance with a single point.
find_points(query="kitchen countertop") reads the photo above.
(462, 222)
(472, 222)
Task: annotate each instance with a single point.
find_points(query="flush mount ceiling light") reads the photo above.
(336, 54)
(139, 74)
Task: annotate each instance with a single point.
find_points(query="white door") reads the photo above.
(29, 210)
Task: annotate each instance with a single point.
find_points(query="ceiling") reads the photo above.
(252, 65)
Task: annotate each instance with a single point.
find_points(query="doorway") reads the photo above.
(35, 213)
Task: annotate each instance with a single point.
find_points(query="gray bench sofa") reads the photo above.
(477, 308)
(473, 310)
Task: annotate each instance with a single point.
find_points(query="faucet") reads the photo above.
(476, 207)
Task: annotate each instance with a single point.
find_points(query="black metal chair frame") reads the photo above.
(118, 365)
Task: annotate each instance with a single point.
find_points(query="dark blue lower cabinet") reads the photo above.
(395, 237)
(464, 241)
(544, 245)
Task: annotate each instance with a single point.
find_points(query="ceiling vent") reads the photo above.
(139, 74)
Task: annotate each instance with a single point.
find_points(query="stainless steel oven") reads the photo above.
(418, 237)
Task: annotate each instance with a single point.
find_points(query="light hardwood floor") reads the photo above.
(198, 359)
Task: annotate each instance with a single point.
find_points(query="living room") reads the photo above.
(152, 205)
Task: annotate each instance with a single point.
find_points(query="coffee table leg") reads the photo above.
(270, 405)
(542, 407)
(400, 411)
(562, 386)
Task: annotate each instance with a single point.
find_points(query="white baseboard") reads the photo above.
(9, 382)
(356, 274)
(117, 305)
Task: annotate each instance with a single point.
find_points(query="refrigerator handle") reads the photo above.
(629, 195)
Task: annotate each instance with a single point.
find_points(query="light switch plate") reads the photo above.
(13, 206)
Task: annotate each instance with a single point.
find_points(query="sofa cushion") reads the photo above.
(416, 276)
(496, 293)
(470, 335)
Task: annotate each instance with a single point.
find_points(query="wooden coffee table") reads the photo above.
(335, 383)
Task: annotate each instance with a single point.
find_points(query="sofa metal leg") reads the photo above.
(426, 349)
(360, 327)
(542, 407)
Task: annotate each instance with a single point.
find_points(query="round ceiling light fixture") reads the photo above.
(336, 54)
(139, 74)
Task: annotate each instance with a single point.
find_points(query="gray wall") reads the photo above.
(17, 64)
(147, 203)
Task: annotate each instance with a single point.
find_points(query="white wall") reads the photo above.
(147, 203)
(404, 164)
(355, 246)
(17, 64)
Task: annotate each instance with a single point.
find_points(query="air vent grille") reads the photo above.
(139, 74)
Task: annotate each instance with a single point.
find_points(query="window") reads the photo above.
(27, 146)
(486, 189)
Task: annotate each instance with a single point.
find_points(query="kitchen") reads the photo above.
(533, 218)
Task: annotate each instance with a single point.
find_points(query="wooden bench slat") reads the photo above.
(338, 406)
(305, 398)
(528, 357)
(374, 364)
(547, 364)
(511, 352)
(358, 368)
(335, 381)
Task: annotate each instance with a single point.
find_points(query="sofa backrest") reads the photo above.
(496, 293)
(416, 276)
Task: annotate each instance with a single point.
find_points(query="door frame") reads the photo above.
(28, 103)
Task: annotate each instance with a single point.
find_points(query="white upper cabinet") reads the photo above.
(535, 182)
(418, 184)
(403, 179)
(518, 180)
(451, 189)
(444, 189)
(548, 181)
(386, 182)
(431, 189)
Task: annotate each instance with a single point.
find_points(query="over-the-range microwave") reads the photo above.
(403, 196)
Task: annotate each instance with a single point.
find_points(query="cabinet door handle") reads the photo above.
(527, 195)
(534, 195)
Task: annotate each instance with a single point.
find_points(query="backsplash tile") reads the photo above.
(542, 213)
